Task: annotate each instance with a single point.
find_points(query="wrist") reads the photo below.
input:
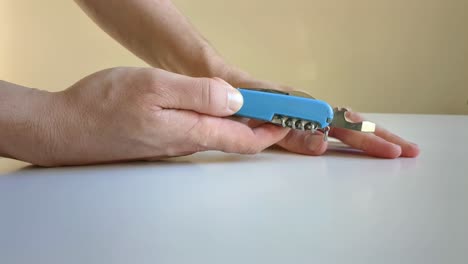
(199, 59)
(27, 124)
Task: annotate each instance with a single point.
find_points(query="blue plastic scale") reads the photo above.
(266, 104)
(296, 110)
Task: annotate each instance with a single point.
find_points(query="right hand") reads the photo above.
(145, 114)
(382, 143)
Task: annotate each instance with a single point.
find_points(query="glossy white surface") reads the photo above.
(275, 207)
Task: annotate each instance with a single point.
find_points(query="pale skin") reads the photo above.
(181, 106)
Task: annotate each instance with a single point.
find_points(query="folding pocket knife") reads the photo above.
(296, 110)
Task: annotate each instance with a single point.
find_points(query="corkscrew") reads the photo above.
(297, 110)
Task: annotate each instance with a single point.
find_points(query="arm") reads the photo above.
(157, 32)
(25, 122)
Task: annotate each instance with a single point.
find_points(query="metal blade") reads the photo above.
(340, 120)
(293, 93)
(300, 94)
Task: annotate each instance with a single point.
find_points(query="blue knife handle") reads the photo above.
(263, 105)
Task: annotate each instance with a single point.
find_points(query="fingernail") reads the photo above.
(313, 142)
(235, 99)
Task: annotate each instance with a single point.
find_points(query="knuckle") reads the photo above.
(210, 95)
(205, 87)
(146, 79)
(151, 79)
(366, 144)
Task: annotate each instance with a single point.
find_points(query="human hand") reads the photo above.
(180, 48)
(382, 143)
(144, 114)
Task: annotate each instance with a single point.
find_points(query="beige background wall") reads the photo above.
(372, 55)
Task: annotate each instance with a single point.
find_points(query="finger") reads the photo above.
(369, 143)
(252, 123)
(296, 141)
(241, 79)
(304, 142)
(211, 96)
(408, 149)
(213, 133)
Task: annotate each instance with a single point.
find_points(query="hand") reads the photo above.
(180, 48)
(382, 143)
(142, 113)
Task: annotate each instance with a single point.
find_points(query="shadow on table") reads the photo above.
(211, 157)
(336, 149)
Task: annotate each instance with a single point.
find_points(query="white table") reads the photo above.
(275, 207)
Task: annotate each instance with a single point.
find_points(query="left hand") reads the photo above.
(382, 143)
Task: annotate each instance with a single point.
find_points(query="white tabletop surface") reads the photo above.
(275, 207)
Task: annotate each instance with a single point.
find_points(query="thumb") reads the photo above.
(211, 96)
